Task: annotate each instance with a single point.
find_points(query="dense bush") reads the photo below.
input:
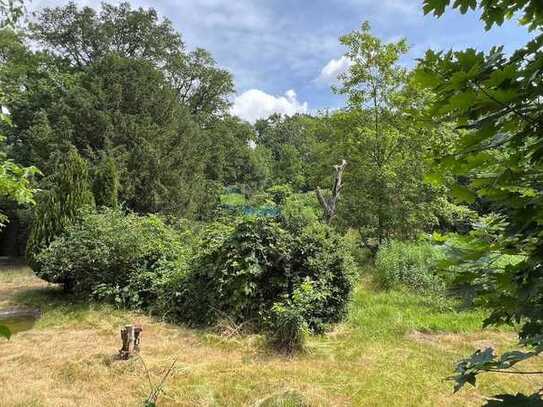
(245, 270)
(279, 193)
(411, 264)
(114, 256)
(285, 281)
(300, 210)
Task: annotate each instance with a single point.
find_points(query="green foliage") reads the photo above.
(451, 217)
(15, 182)
(493, 11)
(300, 210)
(68, 192)
(279, 193)
(384, 140)
(242, 270)
(105, 186)
(10, 12)
(5, 332)
(120, 83)
(83, 36)
(480, 361)
(412, 264)
(287, 325)
(361, 255)
(374, 76)
(233, 199)
(494, 98)
(284, 145)
(112, 256)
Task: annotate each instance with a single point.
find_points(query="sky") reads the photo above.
(284, 55)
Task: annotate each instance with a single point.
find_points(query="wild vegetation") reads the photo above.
(138, 195)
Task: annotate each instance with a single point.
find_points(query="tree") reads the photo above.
(68, 191)
(119, 82)
(105, 181)
(329, 204)
(289, 141)
(16, 182)
(10, 12)
(14, 179)
(83, 37)
(495, 100)
(380, 137)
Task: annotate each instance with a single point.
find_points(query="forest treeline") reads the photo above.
(146, 186)
(151, 121)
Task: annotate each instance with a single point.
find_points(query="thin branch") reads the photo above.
(151, 385)
(158, 389)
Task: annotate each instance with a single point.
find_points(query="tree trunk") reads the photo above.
(329, 204)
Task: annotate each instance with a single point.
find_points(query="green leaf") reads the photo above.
(426, 79)
(463, 194)
(5, 332)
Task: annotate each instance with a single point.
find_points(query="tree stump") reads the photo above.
(131, 339)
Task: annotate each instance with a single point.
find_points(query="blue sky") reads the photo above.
(284, 54)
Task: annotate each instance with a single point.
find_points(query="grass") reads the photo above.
(395, 349)
(233, 199)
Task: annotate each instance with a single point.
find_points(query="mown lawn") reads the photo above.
(396, 349)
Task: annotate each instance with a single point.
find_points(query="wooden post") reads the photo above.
(329, 204)
(131, 339)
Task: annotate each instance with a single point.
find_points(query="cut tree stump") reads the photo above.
(131, 339)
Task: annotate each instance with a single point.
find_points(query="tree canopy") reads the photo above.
(495, 101)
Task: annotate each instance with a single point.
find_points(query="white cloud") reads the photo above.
(335, 67)
(255, 104)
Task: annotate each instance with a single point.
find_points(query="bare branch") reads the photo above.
(329, 204)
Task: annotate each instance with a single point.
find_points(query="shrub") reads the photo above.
(287, 326)
(113, 256)
(279, 193)
(299, 211)
(244, 270)
(410, 264)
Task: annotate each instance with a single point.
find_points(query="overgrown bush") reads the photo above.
(285, 281)
(300, 210)
(279, 193)
(244, 270)
(114, 256)
(410, 264)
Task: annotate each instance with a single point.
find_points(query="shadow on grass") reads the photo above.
(49, 298)
(61, 309)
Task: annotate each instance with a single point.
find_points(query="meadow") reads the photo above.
(380, 356)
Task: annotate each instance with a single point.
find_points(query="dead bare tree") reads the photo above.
(329, 204)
